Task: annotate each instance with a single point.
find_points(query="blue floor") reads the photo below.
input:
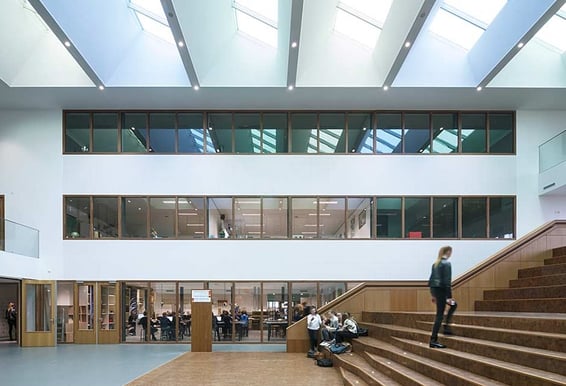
(92, 365)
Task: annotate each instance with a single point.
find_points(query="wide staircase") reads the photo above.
(517, 336)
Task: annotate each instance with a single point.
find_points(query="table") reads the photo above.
(280, 323)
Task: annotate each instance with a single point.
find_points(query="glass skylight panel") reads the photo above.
(554, 32)
(152, 6)
(152, 18)
(482, 10)
(155, 28)
(372, 9)
(258, 19)
(455, 29)
(356, 29)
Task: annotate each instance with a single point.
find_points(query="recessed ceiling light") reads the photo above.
(364, 129)
(385, 88)
(290, 87)
(181, 44)
(520, 45)
(101, 87)
(210, 128)
(407, 44)
(479, 88)
(294, 44)
(67, 43)
(196, 87)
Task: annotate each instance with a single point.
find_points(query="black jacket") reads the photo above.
(441, 277)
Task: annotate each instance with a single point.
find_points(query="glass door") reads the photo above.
(85, 309)
(108, 330)
(223, 311)
(65, 312)
(38, 313)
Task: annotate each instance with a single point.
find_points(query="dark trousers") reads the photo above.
(342, 335)
(440, 295)
(327, 335)
(12, 329)
(313, 337)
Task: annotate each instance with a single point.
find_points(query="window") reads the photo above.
(275, 223)
(304, 134)
(553, 32)
(332, 138)
(162, 132)
(417, 133)
(191, 217)
(152, 18)
(247, 133)
(360, 133)
(220, 132)
(330, 291)
(134, 133)
(445, 133)
(274, 133)
(191, 134)
(463, 22)
(276, 302)
(134, 217)
(77, 132)
(162, 215)
(445, 217)
(220, 225)
(474, 217)
(501, 137)
(332, 214)
(305, 218)
(417, 217)
(501, 217)
(247, 218)
(77, 218)
(359, 218)
(389, 134)
(105, 217)
(105, 132)
(389, 217)
(361, 21)
(473, 133)
(257, 19)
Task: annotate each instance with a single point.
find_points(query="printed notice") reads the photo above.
(202, 296)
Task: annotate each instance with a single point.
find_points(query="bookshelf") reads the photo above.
(108, 307)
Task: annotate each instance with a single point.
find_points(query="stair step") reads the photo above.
(351, 379)
(537, 358)
(398, 372)
(357, 365)
(557, 291)
(560, 251)
(543, 322)
(555, 260)
(539, 281)
(423, 364)
(534, 339)
(501, 371)
(522, 305)
(543, 270)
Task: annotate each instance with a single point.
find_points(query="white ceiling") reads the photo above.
(108, 47)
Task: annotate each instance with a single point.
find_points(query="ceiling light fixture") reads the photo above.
(520, 45)
(294, 45)
(101, 87)
(385, 88)
(290, 87)
(180, 43)
(407, 44)
(196, 87)
(67, 43)
(479, 88)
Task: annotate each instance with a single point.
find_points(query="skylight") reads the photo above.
(362, 20)
(462, 22)
(257, 19)
(554, 30)
(152, 18)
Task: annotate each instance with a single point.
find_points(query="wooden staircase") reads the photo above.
(512, 339)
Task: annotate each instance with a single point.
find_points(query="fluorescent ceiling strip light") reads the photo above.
(195, 225)
(188, 214)
(251, 214)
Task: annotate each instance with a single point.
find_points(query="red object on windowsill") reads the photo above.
(415, 235)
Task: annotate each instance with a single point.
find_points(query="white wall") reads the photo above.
(34, 189)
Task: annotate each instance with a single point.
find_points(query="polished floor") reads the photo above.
(234, 368)
(93, 365)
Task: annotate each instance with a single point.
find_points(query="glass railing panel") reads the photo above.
(19, 239)
(552, 152)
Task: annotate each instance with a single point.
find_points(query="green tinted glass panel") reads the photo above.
(501, 217)
(417, 217)
(304, 135)
(105, 132)
(247, 133)
(332, 134)
(134, 132)
(77, 132)
(389, 134)
(360, 133)
(473, 133)
(474, 217)
(445, 217)
(389, 220)
(275, 138)
(162, 132)
(445, 133)
(417, 133)
(501, 133)
(191, 133)
(220, 132)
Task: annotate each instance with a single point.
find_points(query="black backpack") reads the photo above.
(324, 362)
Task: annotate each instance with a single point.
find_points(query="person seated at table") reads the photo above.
(349, 329)
(166, 327)
(227, 324)
(143, 322)
(215, 328)
(297, 313)
(331, 324)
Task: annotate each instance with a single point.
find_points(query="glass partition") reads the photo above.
(359, 218)
(474, 217)
(162, 215)
(191, 217)
(220, 225)
(305, 218)
(445, 133)
(135, 316)
(417, 217)
(162, 132)
(247, 218)
(275, 221)
(247, 311)
(502, 217)
(331, 135)
(501, 133)
(134, 217)
(304, 296)
(191, 134)
(105, 132)
(105, 217)
(38, 311)
(85, 293)
(77, 132)
(220, 132)
(552, 152)
(134, 133)
(445, 217)
(332, 217)
(223, 311)
(163, 310)
(65, 312)
(185, 295)
(274, 133)
(389, 217)
(416, 133)
(108, 314)
(247, 133)
(77, 217)
(360, 133)
(473, 133)
(304, 134)
(330, 291)
(274, 311)
(389, 133)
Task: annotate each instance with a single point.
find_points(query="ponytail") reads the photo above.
(441, 253)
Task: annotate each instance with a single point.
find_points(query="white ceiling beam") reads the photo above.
(181, 42)
(294, 37)
(410, 38)
(66, 40)
(500, 42)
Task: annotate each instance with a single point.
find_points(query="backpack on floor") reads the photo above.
(337, 348)
(363, 331)
(311, 354)
(324, 362)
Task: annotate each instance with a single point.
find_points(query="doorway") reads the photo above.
(9, 293)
